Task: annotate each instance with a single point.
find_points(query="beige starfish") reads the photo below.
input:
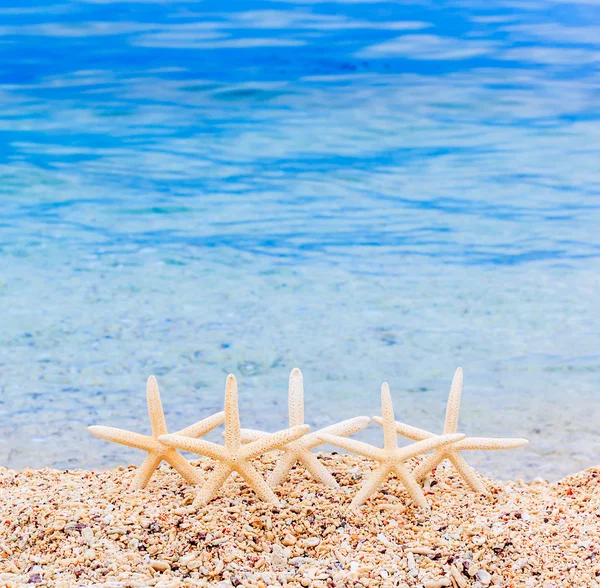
(391, 457)
(157, 452)
(234, 456)
(452, 452)
(300, 450)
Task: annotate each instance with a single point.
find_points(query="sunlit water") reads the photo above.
(368, 191)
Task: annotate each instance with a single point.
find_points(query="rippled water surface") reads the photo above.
(366, 190)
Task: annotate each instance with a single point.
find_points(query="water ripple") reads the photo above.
(368, 190)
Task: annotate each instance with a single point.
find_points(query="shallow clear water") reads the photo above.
(368, 191)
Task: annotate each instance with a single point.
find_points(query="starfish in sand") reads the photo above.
(157, 452)
(300, 450)
(234, 456)
(391, 457)
(452, 452)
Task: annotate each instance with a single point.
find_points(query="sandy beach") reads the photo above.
(85, 528)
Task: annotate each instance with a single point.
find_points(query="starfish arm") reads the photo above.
(488, 444)
(232, 414)
(355, 446)
(281, 470)
(296, 398)
(429, 463)
(347, 427)
(155, 409)
(317, 470)
(453, 406)
(273, 441)
(343, 429)
(198, 446)
(249, 435)
(256, 482)
(411, 486)
(123, 437)
(467, 473)
(371, 485)
(202, 427)
(429, 444)
(212, 485)
(390, 439)
(407, 431)
(187, 471)
(145, 471)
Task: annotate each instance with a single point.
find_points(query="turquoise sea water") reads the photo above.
(366, 190)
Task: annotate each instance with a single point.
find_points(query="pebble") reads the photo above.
(440, 583)
(458, 577)
(422, 550)
(133, 544)
(288, 540)
(279, 556)
(219, 541)
(412, 568)
(186, 559)
(88, 535)
(484, 577)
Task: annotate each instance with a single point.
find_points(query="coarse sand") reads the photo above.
(82, 528)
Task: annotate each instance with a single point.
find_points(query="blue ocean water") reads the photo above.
(366, 190)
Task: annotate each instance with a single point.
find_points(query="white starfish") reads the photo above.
(300, 450)
(452, 452)
(157, 452)
(391, 458)
(234, 456)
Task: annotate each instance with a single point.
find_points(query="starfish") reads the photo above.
(452, 452)
(300, 450)
(234, 456)
(391, 457)
(157, 452)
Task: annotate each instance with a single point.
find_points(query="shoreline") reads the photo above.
(84, 528)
